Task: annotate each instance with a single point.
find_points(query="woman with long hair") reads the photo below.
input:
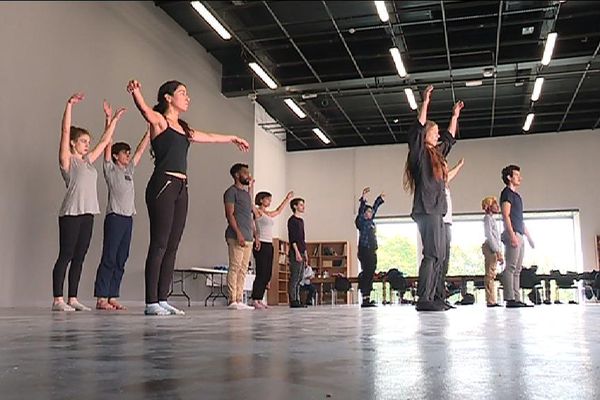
(76, 215)
(263, 250)
(425, 176)
(167, 190)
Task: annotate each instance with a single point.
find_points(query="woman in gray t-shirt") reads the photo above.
(76, 215)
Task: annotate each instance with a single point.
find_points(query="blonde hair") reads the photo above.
(488, 202)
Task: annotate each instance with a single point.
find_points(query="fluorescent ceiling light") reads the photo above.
(410, 96)
(321, 135)
(550, 42)
(528, 122)
(263, 75)
(294, 107)
(382, 11)
(212, 21)
(398, 61)
(537, 89)
(473, 83)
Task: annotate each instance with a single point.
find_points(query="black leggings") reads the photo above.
(75, 233)
(167, 202)
(264, 267)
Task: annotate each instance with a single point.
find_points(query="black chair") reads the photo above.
(477, 286)
(340, 284)
(566, 281)
(530, 281)
(397, 283)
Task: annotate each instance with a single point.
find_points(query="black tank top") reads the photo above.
(170, 151)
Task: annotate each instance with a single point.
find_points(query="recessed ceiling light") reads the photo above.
(474, 83)
(396, 120)
(527, 30)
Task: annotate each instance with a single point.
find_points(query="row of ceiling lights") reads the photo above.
(539, 81)
(270, 82)
(394, 51)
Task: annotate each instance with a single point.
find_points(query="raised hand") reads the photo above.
(107, 109)
(289, 195)
(382, 195)
(133, 85)
(427, 93)
(119, 113)
(76, 98)
(457, 108)
(241, 144)
(366, 191)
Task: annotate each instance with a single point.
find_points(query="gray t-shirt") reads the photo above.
(82, 193)
(242, 212)
(121, 194)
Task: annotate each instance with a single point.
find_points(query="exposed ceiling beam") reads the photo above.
(579, 84)
(250, 53)
(448, 50)
(316, 75)
(496, 57)
(358, 68)
(381, 81)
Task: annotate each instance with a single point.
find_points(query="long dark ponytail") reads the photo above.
(161, 107)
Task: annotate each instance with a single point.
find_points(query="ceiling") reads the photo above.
(332, 58)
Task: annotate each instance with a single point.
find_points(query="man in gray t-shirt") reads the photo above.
(239, 235)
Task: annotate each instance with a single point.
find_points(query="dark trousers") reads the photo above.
(296, 275)
(167, 202)
(368, 264)
(433, 238)
(264, 266)
(75, 233)
(440, 292)
(310, 288)
(115, 251)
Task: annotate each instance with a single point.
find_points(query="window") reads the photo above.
(556, 235)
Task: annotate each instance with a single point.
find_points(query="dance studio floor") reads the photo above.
(548, 352)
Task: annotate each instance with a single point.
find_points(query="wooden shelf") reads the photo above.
(278, 293)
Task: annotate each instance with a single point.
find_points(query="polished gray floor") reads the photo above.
(548, 352)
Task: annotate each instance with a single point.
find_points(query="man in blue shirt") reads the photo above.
(512, 237)
(367, 244)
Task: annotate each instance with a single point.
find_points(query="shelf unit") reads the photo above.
(327, 258)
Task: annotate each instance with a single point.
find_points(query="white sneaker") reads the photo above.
(62, 306)
(242, 306)
(77, 306)
(233, 306)
(172, 310)
(155, 309)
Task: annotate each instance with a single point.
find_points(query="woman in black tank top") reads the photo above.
(166, 193)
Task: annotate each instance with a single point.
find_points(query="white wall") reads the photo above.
(269, 166)
(559, 172)
(50, 50)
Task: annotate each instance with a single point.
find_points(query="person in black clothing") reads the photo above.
(167, 190)
(367, 244)
(298, 254)
(425, 176)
